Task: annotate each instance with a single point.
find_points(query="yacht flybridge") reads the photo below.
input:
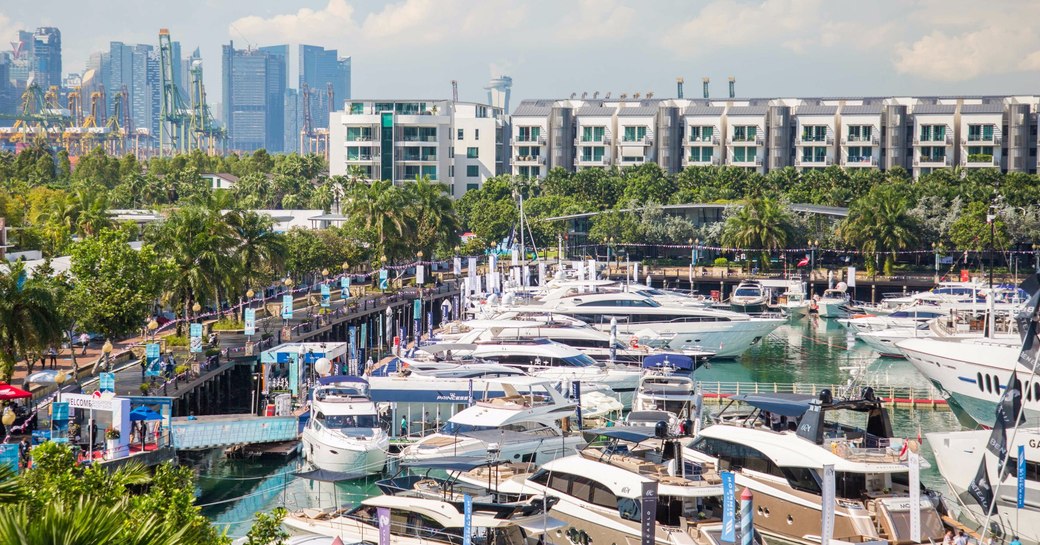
(778, 444)
(523, 425)
(343, 432)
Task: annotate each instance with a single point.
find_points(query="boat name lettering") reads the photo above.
(1034, 443)
(453, 397)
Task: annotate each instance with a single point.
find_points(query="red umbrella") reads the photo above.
(12, 392)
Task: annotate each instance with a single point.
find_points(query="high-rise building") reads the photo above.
(292, 121)
(7, 101)
(46, 57)
(21, 59)
(320, 68)
(253, 109)
(137, 68)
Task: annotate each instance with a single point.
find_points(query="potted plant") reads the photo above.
(112, 441)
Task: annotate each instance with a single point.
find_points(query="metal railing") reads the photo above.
(921, 395)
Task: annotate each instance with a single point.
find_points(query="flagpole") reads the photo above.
(1014, 432)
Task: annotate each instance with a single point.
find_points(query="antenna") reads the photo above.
(607, 97)
(573, 95)
(584, 94)
(649, 94)
(732, 87)
(454, 91)
(678, 85)
(635, 96)
(706, 82)
(623, 96)
(595, 94)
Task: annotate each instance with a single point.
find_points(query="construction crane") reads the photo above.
(174, 117)
(40, 118)
(118, 130)
(206, 136)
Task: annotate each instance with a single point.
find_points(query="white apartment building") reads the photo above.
(460, 144)
(919, 134)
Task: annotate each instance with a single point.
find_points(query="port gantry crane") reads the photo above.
(184, 126)
(41, 118)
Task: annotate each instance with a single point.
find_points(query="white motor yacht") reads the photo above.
(343, 432)
(834, 303)
(749, 297)
(676, 394)
(523, 425)
(958, 454)
(794, 302)
(886, 342)
(907, 319)
(753, 437)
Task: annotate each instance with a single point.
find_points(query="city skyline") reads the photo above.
(772, 47)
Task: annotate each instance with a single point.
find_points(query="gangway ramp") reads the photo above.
(223, 431)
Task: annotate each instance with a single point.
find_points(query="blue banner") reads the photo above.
(576, 396)
(326, 296)
(352, 338)
(467, 518)
(383, 284)
(1021, 476)
(729, 507)
(287, 304)
(196, 337)
(294, 375)
(107, 382)
(152, 356)
(60, 422)
(9, 456)
(364, 336)
(344, 286)
(250, 322)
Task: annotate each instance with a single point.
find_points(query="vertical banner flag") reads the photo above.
(1008, 408)
(851, 280)
(344, 287)
(648, 515)
(9, 456)
(729, 507)
(635, 272)
(151, 355)
(250, 321)
(326, 296)
(60, 422)
(294, 374)
(417, 316)
(914, 460)
(489, 282)
(471, 272)
(429, 323)
(576, 397)
(364, 335)
(592, 269)
(287, 304)
(467, 519)
(470, 398)
(1021, 474)
(383, 514)
(196, 337)
(352, 340)
(980, 488)
(456, 266)
(383, 283)
(420, 275)
(827, 524)
(541, 273)
(514, 257)
(107, 382)
(526, 277)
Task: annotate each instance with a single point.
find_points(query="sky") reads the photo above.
(552, 48)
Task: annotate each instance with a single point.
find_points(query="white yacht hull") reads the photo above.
(963, 368)
(958, 455)
(536, 452)
(796, 312)
(354, 457)
(832, 309)
(726, 339)
(884, 342)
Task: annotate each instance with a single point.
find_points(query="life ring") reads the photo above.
(634, 342)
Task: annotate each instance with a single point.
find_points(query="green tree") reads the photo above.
(762, 223)
(267, 529)
(29, 319)
(114, 286)
(972, 232)
(431, 215)
(880, 222)
(259, 251)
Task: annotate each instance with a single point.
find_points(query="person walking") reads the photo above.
(961, 539)
(84, 340)
(53, 355)
(404, 426)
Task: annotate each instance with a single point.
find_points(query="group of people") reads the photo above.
(962, 538)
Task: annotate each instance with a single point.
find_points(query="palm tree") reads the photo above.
(762, 223)
(87, 522)
(259, 251)
(92, 215)
(380, 206)
(880, 222)
(431, 211)
(29, 318)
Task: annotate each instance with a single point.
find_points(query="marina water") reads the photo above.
(810, 351)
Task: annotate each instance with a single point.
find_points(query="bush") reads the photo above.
(227, 324)
(174, 340)
(180, 369)
(212, 352)
(111, 433)
(721, 262)
(144, 388)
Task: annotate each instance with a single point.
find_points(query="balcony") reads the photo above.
(854, 161)
(530, 140)
(711, 161)
(927, 161)
(980, 160)
(580, 141)
(591, 162)
(412, 139)
(859, 140)
(994, 140)
(362, 159)
(529, 160)
(757, 161)
(813, 162)
(757, 140)
(359, 138)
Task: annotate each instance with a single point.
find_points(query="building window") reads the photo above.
(430, 171)
(451, 171)
(359, 153)
(634, 134)
(472, 171)
(742, 154)
(592, 153)
(980, 133)
(529, 151)
(701, 154)
(814, 154)
(472, 187)
(592, 134)
(814, 133)
(528, 134)
(860, 154)
(472, 153)
(701, 134)
(357, 108)
(745, 133)
(476, 134)
(860, 133)
(460, 134)
(933, 133)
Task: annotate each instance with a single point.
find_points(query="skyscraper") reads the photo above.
(254, 97)
(46, 57)
(320, 67)
(137, 68)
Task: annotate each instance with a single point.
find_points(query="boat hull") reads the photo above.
(350, 458)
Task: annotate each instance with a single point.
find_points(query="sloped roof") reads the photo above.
(705, 110)
(633, 111)
(934, 109)
(988, 108)
(811, 109)
(529, 109)
(748, 110)
(596, 110)
(865, 109)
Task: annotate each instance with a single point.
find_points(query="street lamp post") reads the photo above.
(419, 256)
(8, 419)
(812, 265)
(106, 349)
(1036, 257)
(935, 250)
(382, 264)
(59, 378)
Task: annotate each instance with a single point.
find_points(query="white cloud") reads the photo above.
(304, 26)
(793, 24)
(8, 29)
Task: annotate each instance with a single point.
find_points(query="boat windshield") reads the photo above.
(580, 360)
(348, 421)
(747, 292)
(451, 428)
